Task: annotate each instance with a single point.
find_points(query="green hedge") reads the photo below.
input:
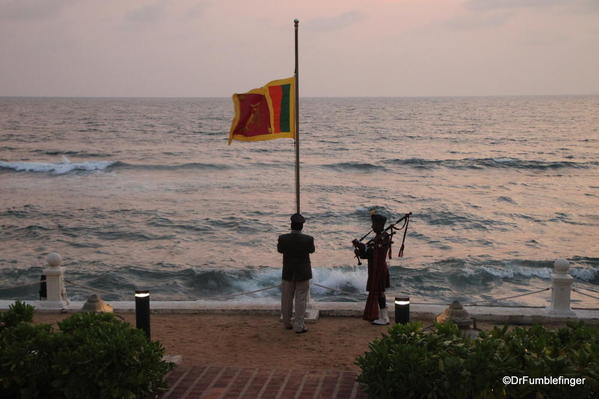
(93, 355)
(409, 362)
(17, 312)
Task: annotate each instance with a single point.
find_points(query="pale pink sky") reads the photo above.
(206, 48)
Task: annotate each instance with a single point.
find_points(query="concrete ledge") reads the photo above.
(502, 315)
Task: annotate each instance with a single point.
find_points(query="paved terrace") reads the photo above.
(496, 314)
(210, 382)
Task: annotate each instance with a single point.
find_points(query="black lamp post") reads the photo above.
(142, 311)
(402, 309)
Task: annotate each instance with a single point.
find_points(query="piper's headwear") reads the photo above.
(378, 219)
(297, 218)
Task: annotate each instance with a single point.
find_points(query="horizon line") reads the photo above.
(228, 97)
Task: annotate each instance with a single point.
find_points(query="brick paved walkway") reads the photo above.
(231, 383)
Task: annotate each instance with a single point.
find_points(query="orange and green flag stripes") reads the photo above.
(266, 113)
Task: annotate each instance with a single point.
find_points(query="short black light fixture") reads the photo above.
(402, 309)
(142, 311)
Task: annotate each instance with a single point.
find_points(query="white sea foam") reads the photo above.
(583, 274)
(523, 271)
(56, 168)
(262, 279)
(503, 160)
(340, 279)
(345, 281)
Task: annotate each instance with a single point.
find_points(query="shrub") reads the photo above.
(93, 355)
(26, 361)
(17, 312)
(103, 357)
(411, 363)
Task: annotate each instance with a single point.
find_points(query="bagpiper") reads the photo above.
(376, 251)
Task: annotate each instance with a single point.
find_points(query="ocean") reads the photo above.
(146, 193)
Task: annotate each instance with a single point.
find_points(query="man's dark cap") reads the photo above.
(297, 218)
(378, 219)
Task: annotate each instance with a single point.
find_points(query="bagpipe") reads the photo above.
(406, 221)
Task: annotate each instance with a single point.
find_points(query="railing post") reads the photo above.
(561, 289)
(312, 312)
(56, 292)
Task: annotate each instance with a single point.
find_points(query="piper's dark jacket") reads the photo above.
(296, 249)
(378, 271)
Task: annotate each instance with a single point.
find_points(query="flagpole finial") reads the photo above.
(296, 21)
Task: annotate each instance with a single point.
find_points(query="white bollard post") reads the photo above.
(561, 290)
(311, 312)
(309, 302)
(56, 293)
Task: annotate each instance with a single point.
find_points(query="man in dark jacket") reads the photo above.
(297, 272)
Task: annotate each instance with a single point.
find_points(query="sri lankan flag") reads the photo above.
(266, 113)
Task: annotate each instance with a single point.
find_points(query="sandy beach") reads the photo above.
(255, 340)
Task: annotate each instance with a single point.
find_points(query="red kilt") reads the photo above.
(378, 275)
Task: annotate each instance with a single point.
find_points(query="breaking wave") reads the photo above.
(482, 163)
(67, 167)
(356, 166)
(56, 168)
